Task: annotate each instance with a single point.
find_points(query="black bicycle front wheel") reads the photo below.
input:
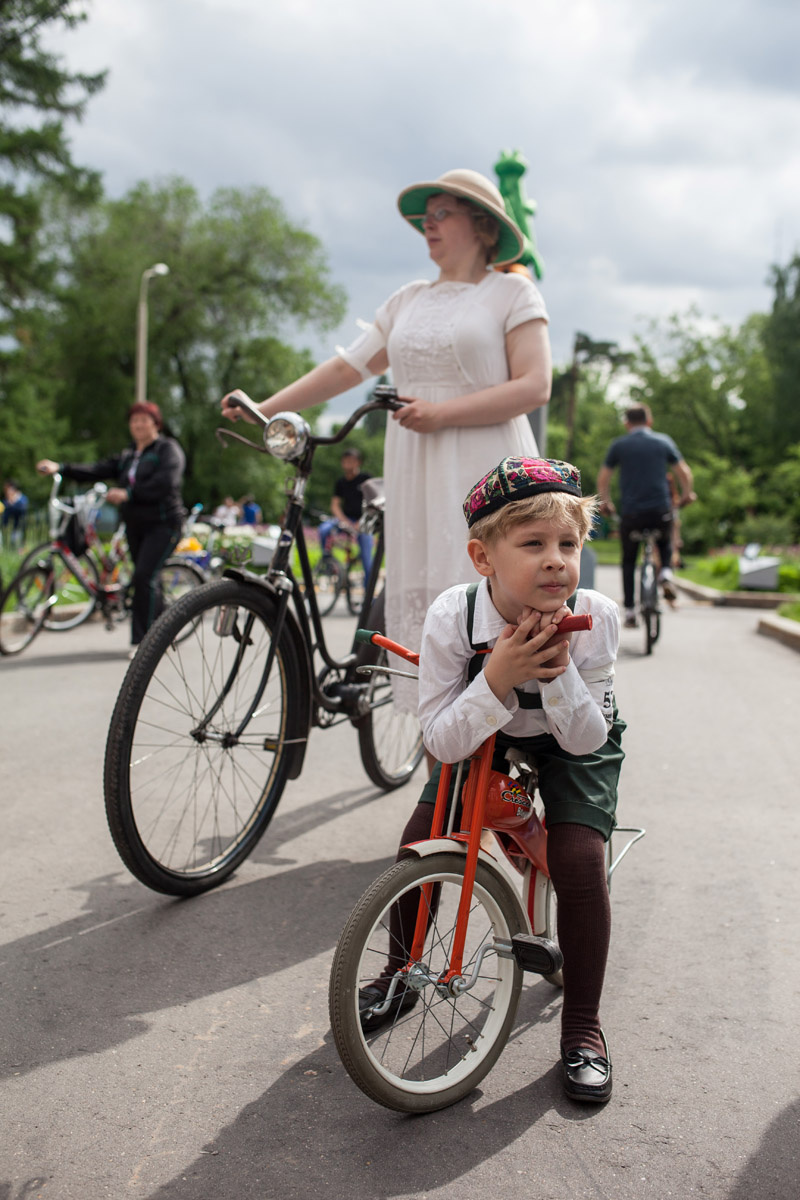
(199, 743)
(434, 1053)
(24, 607)
(390, 741)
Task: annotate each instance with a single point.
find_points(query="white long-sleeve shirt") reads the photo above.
(457, 717)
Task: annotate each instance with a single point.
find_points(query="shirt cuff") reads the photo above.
(564, 690)
(482, 708)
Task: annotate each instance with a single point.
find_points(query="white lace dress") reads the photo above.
(443, 340)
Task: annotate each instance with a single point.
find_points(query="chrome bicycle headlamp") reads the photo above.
(286, 435)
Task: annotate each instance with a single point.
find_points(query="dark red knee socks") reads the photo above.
(576, 859)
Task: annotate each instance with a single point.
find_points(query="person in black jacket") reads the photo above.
(148, 476)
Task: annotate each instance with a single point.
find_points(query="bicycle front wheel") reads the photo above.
(355, 586)
(435, 1053)
(328, 578)
(73, 602)
(179, 577)
(24, 607)
(390, 741)
(651, 617)
(197, 752)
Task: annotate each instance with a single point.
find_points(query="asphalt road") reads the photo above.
(160, 1048)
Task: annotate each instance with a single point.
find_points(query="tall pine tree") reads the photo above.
(37, 96)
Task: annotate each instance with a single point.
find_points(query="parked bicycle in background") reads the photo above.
(339, 570)
(61, 582)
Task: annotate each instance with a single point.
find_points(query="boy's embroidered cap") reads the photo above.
(515, 478)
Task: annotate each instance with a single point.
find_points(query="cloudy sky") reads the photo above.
(663, 138)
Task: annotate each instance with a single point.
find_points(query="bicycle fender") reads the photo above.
(451, 846)
(448, 845)
(297, 738)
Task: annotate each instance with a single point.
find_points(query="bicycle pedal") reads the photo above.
(536, 954)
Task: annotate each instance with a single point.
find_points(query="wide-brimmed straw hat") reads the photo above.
(468, 185)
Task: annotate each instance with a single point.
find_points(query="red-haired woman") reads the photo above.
(148, 475)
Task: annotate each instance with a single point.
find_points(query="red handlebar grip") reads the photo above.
(573, 624)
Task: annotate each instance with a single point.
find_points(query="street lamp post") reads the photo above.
(141, 330)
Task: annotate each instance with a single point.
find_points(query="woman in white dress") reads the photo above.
(470, 354)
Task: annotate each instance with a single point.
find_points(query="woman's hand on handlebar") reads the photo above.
(231, 410)
(420, 416)
(46, 466)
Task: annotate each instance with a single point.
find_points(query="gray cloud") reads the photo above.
(662, 139)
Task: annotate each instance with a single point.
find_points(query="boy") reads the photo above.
(545, 692)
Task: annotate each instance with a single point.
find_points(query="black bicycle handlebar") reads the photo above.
(388, 403)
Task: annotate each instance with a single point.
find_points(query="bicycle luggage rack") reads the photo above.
(638, 834)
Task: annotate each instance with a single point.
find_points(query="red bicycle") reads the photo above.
(476, 932)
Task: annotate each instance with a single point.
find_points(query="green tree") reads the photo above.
(585, 352)
(726, 494)
(596, 419)
(780, 426)
(699, 385)
(243, 283)
(37, 95)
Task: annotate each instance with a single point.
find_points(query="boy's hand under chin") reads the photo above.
(532, 649)
(559, 640)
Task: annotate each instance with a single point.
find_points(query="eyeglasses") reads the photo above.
(437, 215)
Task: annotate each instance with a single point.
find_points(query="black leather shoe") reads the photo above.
(587, 1074)
(369, 997)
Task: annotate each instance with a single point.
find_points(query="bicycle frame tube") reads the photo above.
(75, 566)
(474, 808)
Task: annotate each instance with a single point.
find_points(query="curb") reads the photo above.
(782, 629)
(734, 599)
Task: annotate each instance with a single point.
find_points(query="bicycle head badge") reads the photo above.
(508, 805)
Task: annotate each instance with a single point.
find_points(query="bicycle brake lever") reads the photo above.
(221, 434)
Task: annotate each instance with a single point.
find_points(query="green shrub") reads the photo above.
(790, 611)
(723, 564)
(789, 577)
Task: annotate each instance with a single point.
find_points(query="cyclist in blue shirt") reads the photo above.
(644, 457)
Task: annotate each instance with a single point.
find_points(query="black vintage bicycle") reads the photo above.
(215, 712)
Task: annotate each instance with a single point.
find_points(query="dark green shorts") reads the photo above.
(576, 788)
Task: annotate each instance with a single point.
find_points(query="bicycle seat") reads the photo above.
(373, 490)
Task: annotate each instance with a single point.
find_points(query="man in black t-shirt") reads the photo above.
(346, 504)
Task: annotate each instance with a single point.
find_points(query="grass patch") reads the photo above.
(607, 551)
(790, 611)
(721, 572)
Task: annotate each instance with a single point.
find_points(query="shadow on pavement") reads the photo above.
(314, 1133)
(35, 661)
(85, 985)
(773, 1172)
